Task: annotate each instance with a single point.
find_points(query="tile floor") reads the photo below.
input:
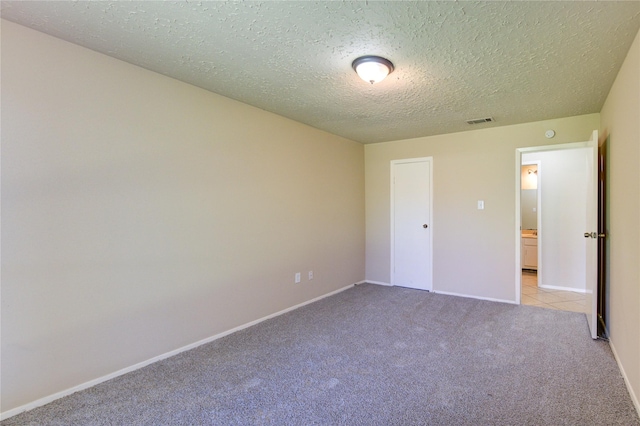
(532, 295)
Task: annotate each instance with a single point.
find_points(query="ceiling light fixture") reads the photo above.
(372, 69)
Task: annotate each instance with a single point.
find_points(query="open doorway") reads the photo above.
(530, 210)
(553, 195)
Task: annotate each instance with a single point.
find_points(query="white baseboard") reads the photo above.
(490, 299)
(634, 397)
(376, 283)
(553, 287)
(50, 398)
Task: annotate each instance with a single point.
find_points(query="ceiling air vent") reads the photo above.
(480, 120)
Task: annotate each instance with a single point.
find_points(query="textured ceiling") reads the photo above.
(516, 61)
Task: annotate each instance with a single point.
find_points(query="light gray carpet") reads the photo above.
(373, 355)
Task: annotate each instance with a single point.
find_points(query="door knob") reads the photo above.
(425, 226)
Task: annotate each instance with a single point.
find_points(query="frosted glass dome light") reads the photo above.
(372, 69)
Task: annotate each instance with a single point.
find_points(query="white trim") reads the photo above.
(392, 215)
(468, 296)
(50, 398)
(634, 397)
(558, 147)
(378, 283)
(518, 232)
(572, 289)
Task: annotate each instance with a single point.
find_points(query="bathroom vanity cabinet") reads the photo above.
(529, 252)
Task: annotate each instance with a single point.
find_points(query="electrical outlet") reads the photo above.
(310, 275)
(297, 277)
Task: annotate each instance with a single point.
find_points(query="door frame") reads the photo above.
(392, 216)
(518, 233)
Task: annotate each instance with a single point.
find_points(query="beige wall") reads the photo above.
(621, 126)
(473, 250)
(141, 214)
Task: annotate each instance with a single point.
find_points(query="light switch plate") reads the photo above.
(480, 204)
